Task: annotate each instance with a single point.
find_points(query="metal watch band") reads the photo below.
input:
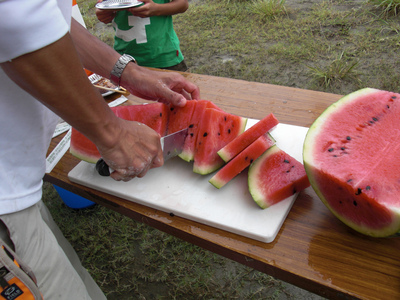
(119, 67)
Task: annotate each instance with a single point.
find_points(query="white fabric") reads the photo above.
(26, 126)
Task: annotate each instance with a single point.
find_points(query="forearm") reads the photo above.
(54, 76)
(171, 8)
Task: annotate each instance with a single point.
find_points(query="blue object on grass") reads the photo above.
(73, 200)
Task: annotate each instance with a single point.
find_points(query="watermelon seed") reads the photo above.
(191, 125)
(388, 106)
(286, 161)
(330, 149)
(359, 191)
(349, 180)
(225, 118)
(375, 119)
(342, 148)
(393, 97)
(294, 191)
(251, 160)
(246, 158)
(192, 134)
(160, 114)
(229, 130)
(348, 138)
(205, 134)
(355, 203)
(368, 188)
(172, 108)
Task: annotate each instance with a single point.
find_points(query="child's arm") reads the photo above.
(151, 8)
(104, 15)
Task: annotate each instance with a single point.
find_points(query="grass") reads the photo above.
(334, 46)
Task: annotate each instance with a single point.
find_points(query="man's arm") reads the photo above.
(98, 57)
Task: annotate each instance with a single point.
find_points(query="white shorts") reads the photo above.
(38, 241)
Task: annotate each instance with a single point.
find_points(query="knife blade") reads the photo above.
(171, 145)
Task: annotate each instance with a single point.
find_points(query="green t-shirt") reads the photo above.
(151, 41)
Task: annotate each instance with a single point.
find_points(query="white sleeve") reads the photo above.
(29, 25)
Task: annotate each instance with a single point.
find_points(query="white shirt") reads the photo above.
(26, 126)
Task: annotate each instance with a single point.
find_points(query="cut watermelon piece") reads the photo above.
(249, 136)
(216, 129)
(154, 115)
(275, 176)
(351, 158)
(180, 117)
(242, 160)
(190, 142)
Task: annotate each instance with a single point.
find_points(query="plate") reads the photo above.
(118, 4)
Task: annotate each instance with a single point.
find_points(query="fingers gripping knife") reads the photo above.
(172, 145)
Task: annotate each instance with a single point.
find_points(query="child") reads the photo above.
(146, 32)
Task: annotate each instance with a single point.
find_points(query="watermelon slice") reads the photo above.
(242, 160)
(154, 115)
(180, 117)
(216, 129)
(351, 158)
(275, 176)
(190, 142)
(250, 135)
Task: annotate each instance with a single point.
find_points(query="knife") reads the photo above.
(171, 145)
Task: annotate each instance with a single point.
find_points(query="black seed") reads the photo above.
(205, 134)
(171, 109)
(394, 97)
(349, 180)
(287, 171)
(229, 130)
(367, 187)
(246, 158)
(340, 202)
(192, 134)
(348, 138)
(355, 203)
(286, 161)
(219, 133)
(251, 160)
(191, 125)
(160, 114)
(294, 191)
(388, 106)
(330, 149)
(342, 148)
(375, 119)
(225, 118)
(359, 191)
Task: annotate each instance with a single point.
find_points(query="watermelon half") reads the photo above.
(275, 176)
(351, 156)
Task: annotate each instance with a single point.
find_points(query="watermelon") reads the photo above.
(351, 158)
(180, 117)
(154, 115)
(242, 161)
(250, 135)
(275, 176)
(216, 128)
(190, 142)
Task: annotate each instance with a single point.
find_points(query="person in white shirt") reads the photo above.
(42, 55)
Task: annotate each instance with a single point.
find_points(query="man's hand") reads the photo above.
(135, 149)
(161, 86)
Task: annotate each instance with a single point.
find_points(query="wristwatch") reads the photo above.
(119, 67)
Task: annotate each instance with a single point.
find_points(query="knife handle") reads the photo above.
(102, 168)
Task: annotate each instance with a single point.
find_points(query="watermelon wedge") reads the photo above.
(245, 139)
(180, 117)
(242, 160)
(216, 128)
(275, 176)
(351, 158)
(190, 142)
(154, 115)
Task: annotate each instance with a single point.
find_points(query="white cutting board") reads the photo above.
(174, 188)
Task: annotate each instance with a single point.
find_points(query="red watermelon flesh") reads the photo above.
(351, 158)
(275, 176)
(241, 161)
(216, 129)
(190, 142)
(154, 115)
(245, 139)
(180, 117)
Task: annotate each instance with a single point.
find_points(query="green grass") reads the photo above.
(335, 46)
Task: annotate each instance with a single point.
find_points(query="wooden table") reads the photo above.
(313, 249)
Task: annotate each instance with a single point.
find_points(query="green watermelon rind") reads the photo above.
(308, 146)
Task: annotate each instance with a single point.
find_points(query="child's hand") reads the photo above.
(104, 15)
